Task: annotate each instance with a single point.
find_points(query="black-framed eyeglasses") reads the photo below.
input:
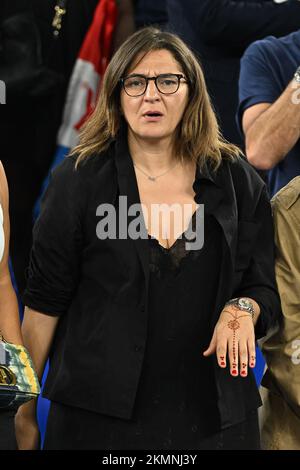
(166, 83)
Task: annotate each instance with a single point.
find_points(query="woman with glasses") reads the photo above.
(152, 269)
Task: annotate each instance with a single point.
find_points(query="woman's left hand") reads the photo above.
(234, 339)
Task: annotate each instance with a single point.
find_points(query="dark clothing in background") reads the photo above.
(219, 31)
(30, 120)
(100, 288)
(149, 12)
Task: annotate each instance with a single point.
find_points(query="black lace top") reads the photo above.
(176, 403)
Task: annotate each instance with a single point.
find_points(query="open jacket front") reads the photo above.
(99, 288)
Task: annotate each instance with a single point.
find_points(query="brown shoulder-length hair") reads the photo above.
(198, 137)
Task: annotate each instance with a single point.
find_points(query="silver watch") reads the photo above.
(242, 304)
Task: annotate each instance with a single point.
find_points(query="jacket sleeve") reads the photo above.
(258, 281)
(53, 271)
(226, 22)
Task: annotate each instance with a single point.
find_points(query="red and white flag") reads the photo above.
(90, 66)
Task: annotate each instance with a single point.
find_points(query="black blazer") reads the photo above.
(220, 31)
(99, 288)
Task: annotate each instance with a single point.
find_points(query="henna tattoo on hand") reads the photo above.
(234, 325)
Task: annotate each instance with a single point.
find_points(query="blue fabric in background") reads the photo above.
(146, 12)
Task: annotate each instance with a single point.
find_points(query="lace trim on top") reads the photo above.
(161, 257)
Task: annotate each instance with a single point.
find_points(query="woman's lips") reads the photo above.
(153, 118)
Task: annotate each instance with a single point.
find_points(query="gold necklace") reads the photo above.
(154, 178)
